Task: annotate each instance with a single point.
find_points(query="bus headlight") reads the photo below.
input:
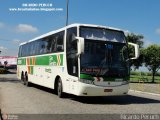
(86, 81)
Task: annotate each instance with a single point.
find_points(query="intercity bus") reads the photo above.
(79, 59)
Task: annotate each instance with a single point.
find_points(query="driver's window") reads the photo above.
(72, 60)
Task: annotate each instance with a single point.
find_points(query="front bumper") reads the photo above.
(94, 90)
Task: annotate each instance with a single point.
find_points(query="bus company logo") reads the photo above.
(48, 70)
(51, 61)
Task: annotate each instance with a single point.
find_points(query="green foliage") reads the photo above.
(152, 59)
(149, 74)
(143, 73)
(157, 74)
(140, 73)
(135, 73)
(135, 39)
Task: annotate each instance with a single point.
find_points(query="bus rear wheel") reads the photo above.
(22, 78)
(26, 80)
(60, 89)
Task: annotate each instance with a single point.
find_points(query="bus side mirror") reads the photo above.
(80, 45)
(136, 50)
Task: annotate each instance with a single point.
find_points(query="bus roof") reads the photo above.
(69, 26)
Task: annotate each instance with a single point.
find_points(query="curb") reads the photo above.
(144, 92)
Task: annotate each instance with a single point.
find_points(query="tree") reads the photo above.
(152, 59)
(138, 39)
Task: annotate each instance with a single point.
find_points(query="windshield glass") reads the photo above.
(104, 59)
(102, 34)
(106, 53)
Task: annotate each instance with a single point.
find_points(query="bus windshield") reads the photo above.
(102, 34)
(105, 58)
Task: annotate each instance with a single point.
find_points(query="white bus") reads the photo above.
(79, 59)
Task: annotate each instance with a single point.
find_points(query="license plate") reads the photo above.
(108, 90)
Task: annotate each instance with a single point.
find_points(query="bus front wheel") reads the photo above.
(60, 89)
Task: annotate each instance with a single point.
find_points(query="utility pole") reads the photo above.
(67, 3)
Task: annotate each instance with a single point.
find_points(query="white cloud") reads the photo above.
(1, 25)
(3, 50)
(147, 42)
(25, 28)
(158, 31)
(127, 32)
(16, 41)
(8, 51)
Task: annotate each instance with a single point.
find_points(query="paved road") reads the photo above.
(16, 98)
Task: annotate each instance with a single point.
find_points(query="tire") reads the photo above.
(60, 89)
(22, 79)
(26, 83)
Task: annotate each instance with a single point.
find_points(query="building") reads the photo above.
(10, 60)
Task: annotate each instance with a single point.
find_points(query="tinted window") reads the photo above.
(60, 37)
(52, 43)
(102, 34)
(72, 59)
(57, 42)
(20, 51)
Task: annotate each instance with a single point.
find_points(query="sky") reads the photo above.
(19, 24)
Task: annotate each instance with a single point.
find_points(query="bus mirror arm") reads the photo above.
(136, 50)
(80, 45)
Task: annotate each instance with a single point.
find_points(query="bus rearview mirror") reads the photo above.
(136, 50)
(80, 45)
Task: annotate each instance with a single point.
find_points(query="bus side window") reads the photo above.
(42, 46)
(37, 47)
(60, 39)
(32, 48)
(42, 50)
(53, 46)
(49, 44)
(57, 42)
(20, 52)
(26, 49)
(23, 50)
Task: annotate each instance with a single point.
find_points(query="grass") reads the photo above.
(143, 78)
(143, 83)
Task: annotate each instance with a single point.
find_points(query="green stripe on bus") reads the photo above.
(85, 76)
(21, 61)
(43, 60)
(55, 60)
(89, 77)
(61, 56)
